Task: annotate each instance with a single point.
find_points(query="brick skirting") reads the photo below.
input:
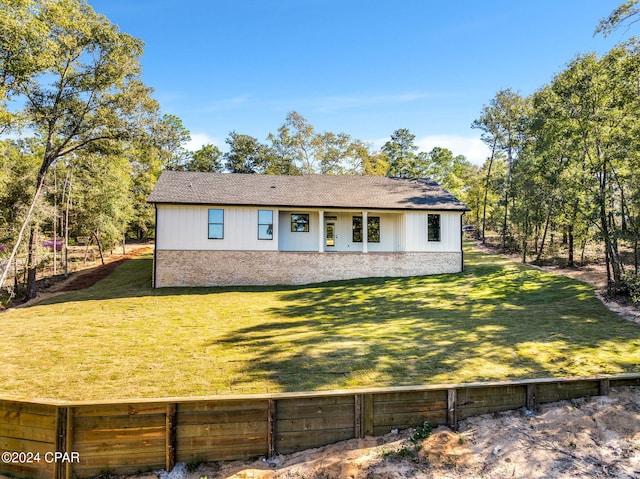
(232, 268)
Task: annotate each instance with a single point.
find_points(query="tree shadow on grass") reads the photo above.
(496, 320)
(498, 323)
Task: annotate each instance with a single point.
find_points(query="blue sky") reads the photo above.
(363, 67)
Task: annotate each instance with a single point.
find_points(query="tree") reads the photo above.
(404, 161)
(626, 12)
(332, 152)
(206, 159)
(24, 52)
(245, 155)
(170, 137)
(87, 93)
(502, 123)
(103, 206)
(300, 143)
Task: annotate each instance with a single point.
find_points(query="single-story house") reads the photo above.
(245, 229)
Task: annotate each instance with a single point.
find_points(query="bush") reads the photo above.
(632, 284)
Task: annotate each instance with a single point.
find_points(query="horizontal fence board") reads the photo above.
(29, 471)
(223, 453)
(220, 417)
(222, 405)
(222, 429)
(17, 431)
(98, 435)
(26, 408)
(316, 401)
(409, 396)
(143, 409)
(476, 401)
(615, 383)
(118, 422)
(286, 411)
(118, 446)
(202, 442)
(387, 422)
(97, 465)
(552, 392)
(408, 406)
(13, 444)
(315, 423)
(298, 441)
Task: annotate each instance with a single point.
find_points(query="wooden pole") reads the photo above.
(452, 411)
(170, 458)
(357, 416)
(272, 411)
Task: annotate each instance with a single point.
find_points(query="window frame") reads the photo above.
(213, 223)
(433, 228)
(269, 231)
(370, 220)
(306, 223)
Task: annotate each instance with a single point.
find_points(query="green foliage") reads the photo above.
(192, 465)
(421, 433)
(631, 281)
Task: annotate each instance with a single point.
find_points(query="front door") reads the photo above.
(329, 235)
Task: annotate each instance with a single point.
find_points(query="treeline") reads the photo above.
(82, 143)
(565, 163)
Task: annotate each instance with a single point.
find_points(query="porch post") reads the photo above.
(320, 231)
(365, 231)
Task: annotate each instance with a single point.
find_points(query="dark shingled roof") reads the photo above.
(308, 191)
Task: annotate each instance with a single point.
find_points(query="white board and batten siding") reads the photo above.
(415, 234)
(343, 222)
(185, 227)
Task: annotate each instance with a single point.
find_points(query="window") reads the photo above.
(373, 229)
(300, 223)
(216, 224)
(265, 224)
(433, 227)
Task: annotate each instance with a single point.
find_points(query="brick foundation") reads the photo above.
(229, 268)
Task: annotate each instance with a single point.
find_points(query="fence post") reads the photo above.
(367, 415)
(61, 441)
(357, 416)
(532, 400)
(452, 408)
(69, 442)
(170, 458)
(603, 387)
(272, 418)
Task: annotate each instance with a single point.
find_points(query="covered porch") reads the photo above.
(342, 231)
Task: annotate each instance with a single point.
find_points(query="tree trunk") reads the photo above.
(570, 262)
(32, 289)
(95, 235)
(25, 222)
(544, 234)
(486, 190)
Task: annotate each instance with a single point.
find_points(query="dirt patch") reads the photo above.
(85, 278)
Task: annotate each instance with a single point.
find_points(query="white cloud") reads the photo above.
(473, 149)
(198, 140)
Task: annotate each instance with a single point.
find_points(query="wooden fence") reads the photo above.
(58, 439)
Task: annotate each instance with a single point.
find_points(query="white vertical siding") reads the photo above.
(416, 231)
(298, 240)
(185, 227)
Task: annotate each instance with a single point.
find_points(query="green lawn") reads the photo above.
(497, 320)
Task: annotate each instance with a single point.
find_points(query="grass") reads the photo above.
(497, 320)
